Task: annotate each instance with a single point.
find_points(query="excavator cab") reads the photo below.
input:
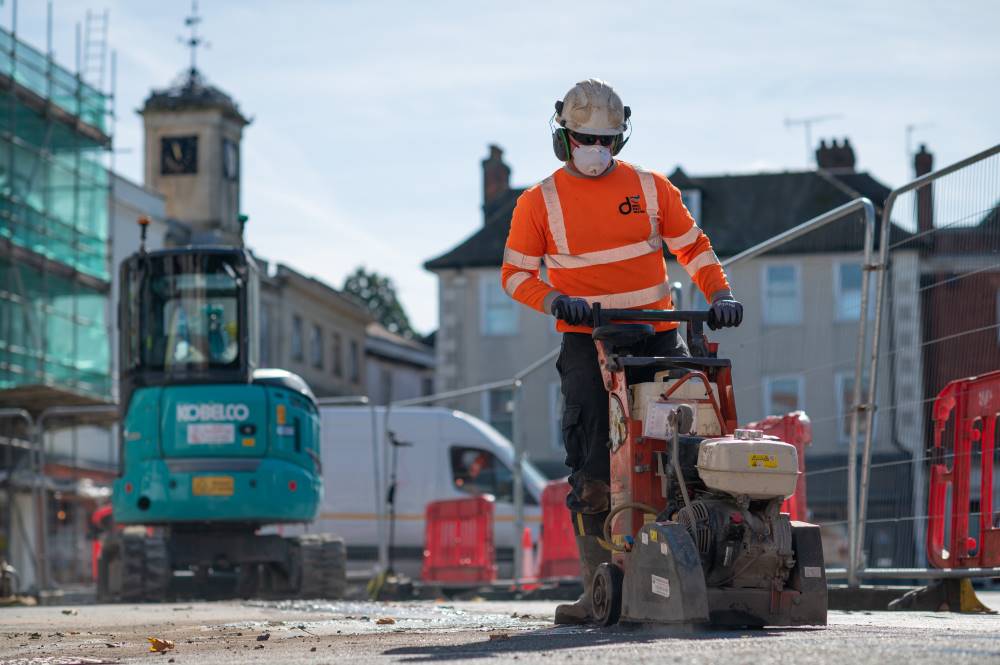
(185, 318)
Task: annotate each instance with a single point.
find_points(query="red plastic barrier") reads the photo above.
(793, 428)
(458, 544)
(560, 557)
(975, 403)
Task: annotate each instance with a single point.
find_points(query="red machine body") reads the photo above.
(633, 463)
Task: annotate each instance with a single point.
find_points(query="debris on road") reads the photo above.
(158, 645)
(72, 613)
(499, 636)
(385, 621)
(264, 637)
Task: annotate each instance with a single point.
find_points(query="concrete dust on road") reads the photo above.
(494, 632)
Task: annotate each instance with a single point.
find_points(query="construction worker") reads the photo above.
(599, 224)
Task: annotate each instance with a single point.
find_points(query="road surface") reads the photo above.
(360, 633)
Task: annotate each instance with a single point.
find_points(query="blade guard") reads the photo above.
(664, 581)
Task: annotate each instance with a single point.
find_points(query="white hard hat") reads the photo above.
(593, 107)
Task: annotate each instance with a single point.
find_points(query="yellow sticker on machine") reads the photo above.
(757, 460)
(212, 486)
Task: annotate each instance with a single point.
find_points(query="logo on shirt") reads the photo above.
(630, 205)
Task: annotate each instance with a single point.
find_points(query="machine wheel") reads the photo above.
(323, 561)
(133, 567)
(606, 594)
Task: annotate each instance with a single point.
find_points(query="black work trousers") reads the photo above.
(585, 413)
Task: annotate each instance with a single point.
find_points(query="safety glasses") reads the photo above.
(590, 139)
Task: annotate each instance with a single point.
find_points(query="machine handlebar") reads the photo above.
(602, 316)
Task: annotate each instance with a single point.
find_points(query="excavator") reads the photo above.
(213, 449)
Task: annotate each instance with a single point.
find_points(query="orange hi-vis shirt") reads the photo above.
(602, 239)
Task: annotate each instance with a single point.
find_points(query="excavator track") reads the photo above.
(323, 565)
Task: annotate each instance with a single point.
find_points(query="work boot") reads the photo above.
(592, 555)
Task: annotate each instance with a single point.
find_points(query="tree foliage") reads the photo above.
(378, 294)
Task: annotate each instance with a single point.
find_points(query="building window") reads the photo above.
(845, 400)
(783, 394)
(296, 342)
(355, 362)
(692, 201)
(497, 310)
(498, 410)
(847, 278)
(338, 355)
(316, 347)
(782, 294)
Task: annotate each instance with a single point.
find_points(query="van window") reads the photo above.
(476, 471)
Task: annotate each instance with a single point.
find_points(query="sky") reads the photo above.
(370, 119)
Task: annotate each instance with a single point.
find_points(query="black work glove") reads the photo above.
(727, 312)
(574, 311)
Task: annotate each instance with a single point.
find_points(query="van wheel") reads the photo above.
(323, 566)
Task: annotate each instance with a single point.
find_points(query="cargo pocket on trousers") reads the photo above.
(573, 439)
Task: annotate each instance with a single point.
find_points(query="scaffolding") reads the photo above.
(55, 267)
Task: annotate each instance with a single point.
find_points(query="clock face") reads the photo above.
(178, 155)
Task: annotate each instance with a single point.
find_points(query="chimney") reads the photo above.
(496, 177)
(923, 163)
(836, 156)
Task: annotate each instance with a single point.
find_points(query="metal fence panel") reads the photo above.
(939, 313)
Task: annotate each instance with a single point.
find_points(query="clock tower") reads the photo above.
(192, 153)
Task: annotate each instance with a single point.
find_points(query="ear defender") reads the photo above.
(560, 138)
(621, 139)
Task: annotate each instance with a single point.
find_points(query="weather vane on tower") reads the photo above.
(194, 40)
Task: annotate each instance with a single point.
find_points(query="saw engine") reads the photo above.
(695, 525)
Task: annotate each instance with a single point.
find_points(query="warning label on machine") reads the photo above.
(661, 586)
(758, 460)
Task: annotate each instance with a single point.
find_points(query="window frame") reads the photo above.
(337, 353)
(490, 282)
(316, 359)
(770, 379)
(838, 292)
(765, 309)
(296, 342)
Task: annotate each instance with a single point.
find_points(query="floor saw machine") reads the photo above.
(695, 523)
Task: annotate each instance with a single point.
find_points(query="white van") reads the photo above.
(443, 454)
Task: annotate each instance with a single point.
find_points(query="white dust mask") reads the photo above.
(591, 160)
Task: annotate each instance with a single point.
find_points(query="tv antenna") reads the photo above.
(807, 123)
(194, 40)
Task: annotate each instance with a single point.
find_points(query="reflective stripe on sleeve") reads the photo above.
(631, 298)
(652, 204)
(514, 281)
(587, 259)
(554, 212)
(520, 260)
(683, 240)
(706, 258)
